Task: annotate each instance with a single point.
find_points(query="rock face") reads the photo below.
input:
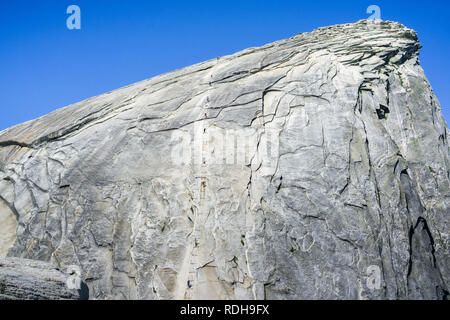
(35, 280)
(315, 167)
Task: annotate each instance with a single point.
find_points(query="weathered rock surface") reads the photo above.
(338, 166)
(35, 280)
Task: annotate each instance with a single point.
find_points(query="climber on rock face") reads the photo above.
(189, 284)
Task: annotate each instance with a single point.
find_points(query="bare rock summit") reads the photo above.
(315, 167)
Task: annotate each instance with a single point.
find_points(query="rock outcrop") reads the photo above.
(36, 280)
(315, 167)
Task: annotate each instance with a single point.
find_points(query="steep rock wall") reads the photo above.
(282, 172)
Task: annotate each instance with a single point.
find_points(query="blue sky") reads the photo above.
(45, 66)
